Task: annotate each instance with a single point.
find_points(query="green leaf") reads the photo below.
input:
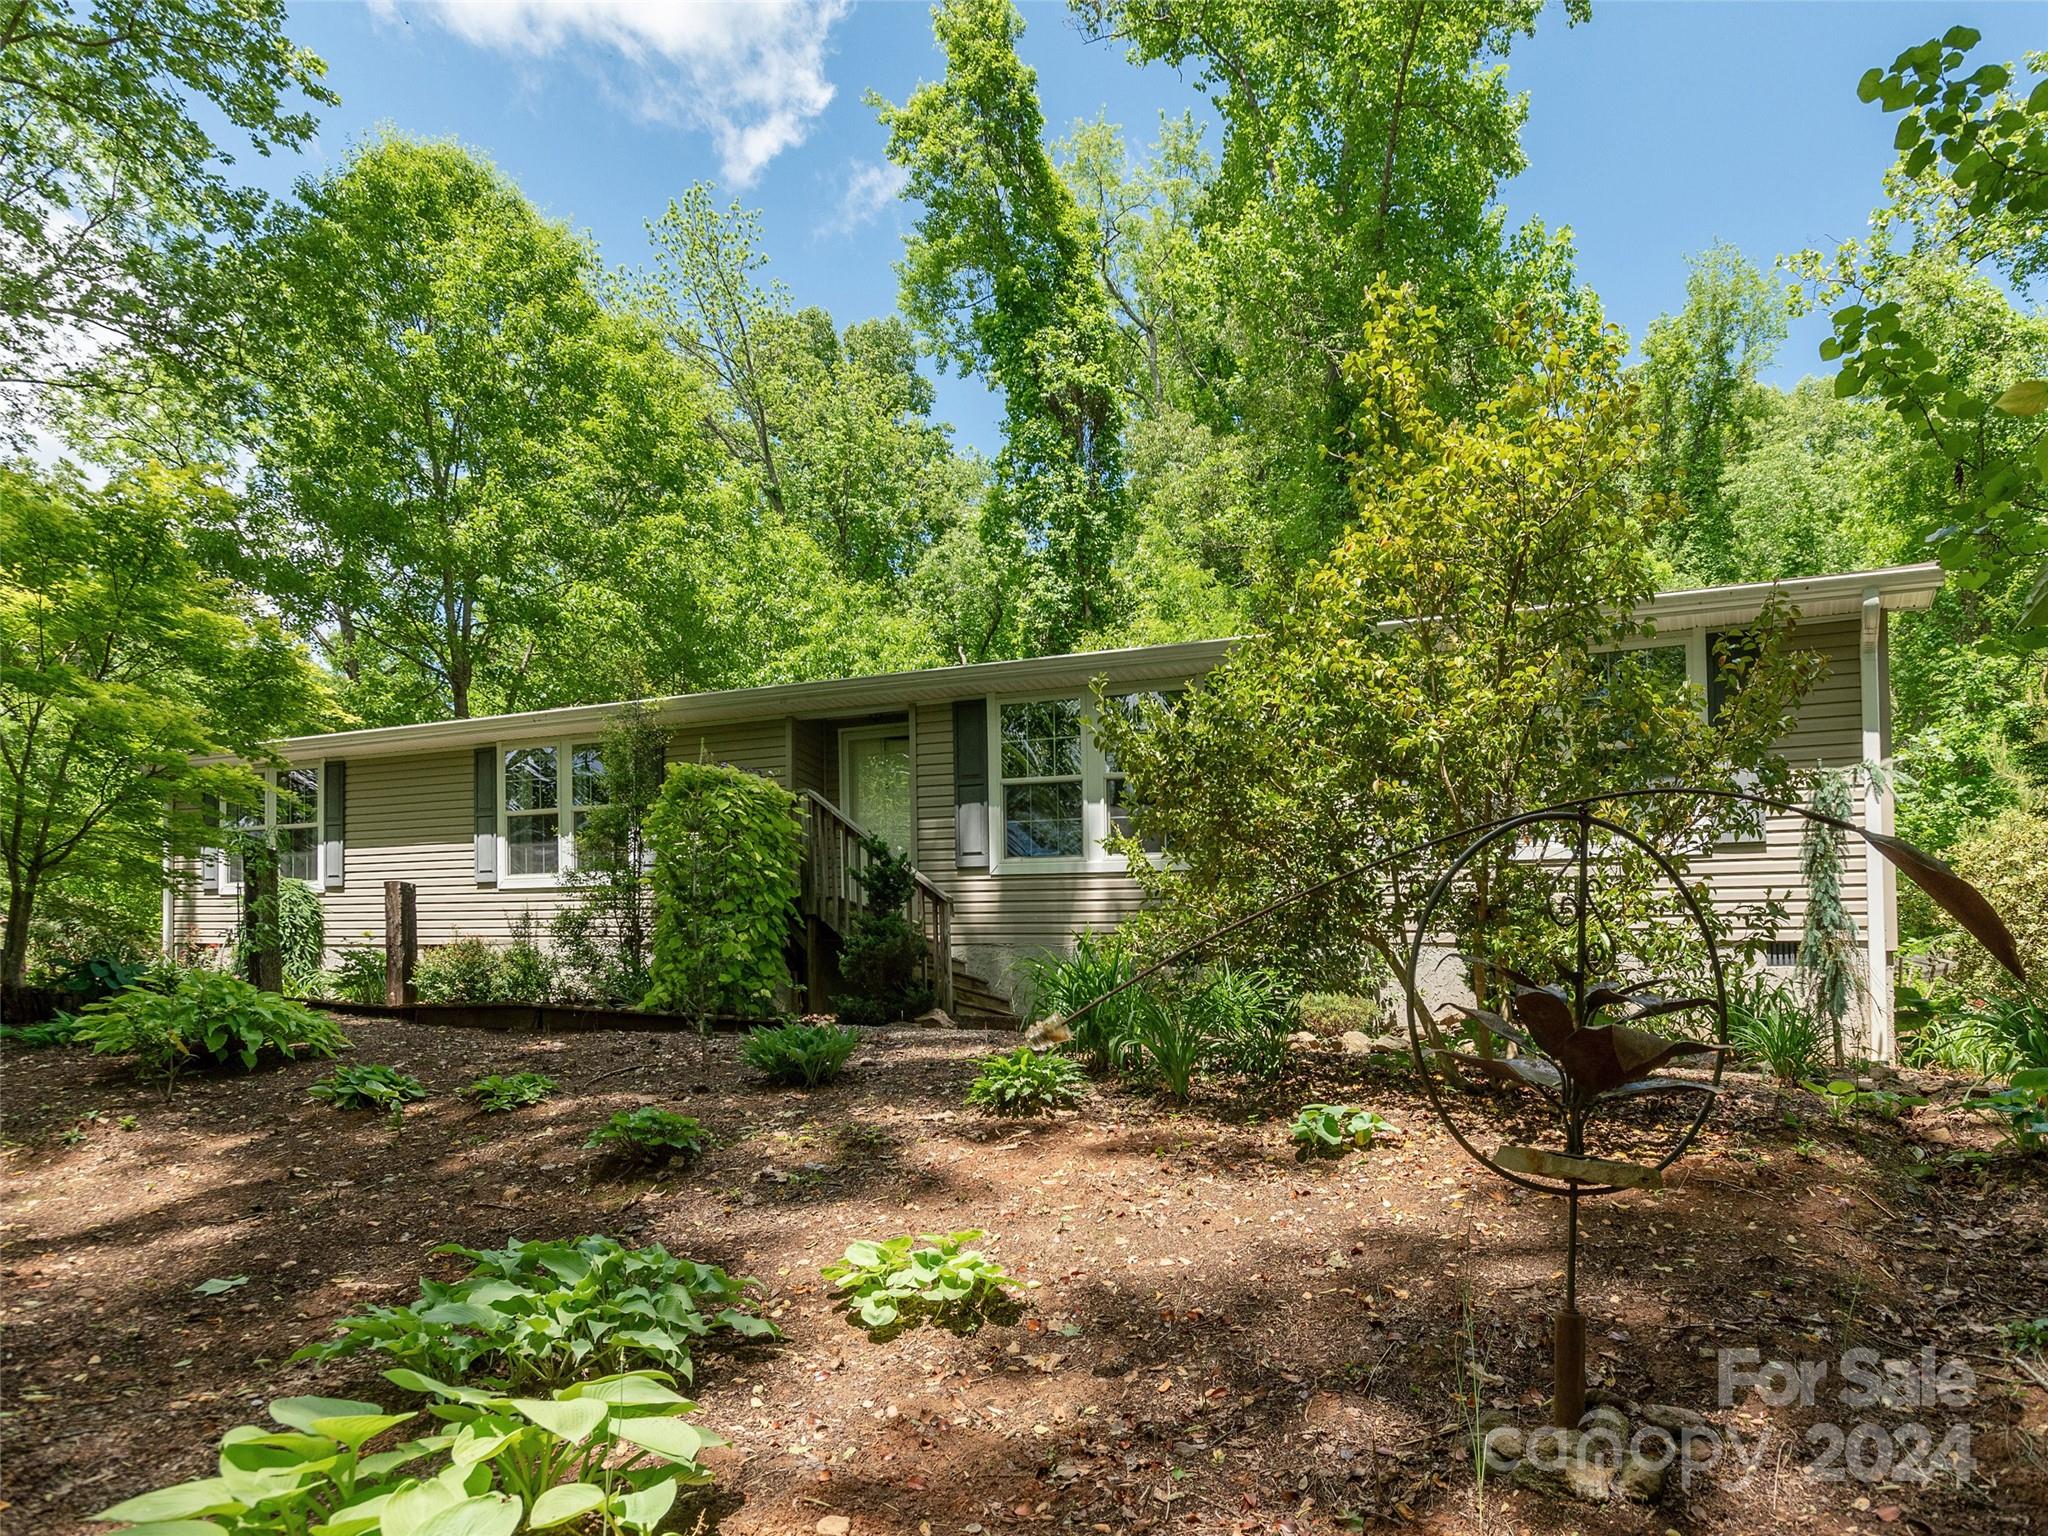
(305, 1412)
(645, 1508)
(564, 1502)
(2029, 397)
(490, 1514)
(572, 1420)
(356, 1430)
(670, 1437)
(204, 1496)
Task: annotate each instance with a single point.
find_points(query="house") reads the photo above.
(478, 813)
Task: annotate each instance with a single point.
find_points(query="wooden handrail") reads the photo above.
(830, 890)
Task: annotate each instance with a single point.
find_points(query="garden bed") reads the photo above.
(539, 1018)
(1214, 1337)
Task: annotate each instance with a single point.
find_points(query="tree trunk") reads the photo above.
(14, 952)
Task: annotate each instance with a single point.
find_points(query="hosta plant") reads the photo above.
(549, 1311)
(611, 1453)
(903, 1278)
(1027, 1083)
(799, 1054)
(501, 1091)
(1329, 1128)
(650, 1136)
(2020, 1109)
(367, 1086)
(175, 1019)
(1844, 1098)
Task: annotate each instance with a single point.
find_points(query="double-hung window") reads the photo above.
(287, 816)
(1056, 795)
(547, 789)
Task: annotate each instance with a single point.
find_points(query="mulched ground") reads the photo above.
(1216, 1337)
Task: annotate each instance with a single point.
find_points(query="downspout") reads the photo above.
(1881, 887)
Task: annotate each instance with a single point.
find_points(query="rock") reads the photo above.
(1559, 1461)
(834, 1525)
(1607, 1397)
(1304, 1039)
(1491, 1419)
(1639, 1479)
(1356, 1042)
(1504, 1446)
(934, 1018)
(1611, 1420)
(1670, 1417)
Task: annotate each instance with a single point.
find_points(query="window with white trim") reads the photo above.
(1055, 795)
(1117, 795)
(546, 790)
(288, 818)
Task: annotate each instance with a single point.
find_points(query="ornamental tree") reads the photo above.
(1466, 652)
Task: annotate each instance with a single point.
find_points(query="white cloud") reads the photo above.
(752, 75)
(870, 189)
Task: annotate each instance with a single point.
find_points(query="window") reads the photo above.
(1041, 797)
(542, 780)
(1056, 795)
(288, 816)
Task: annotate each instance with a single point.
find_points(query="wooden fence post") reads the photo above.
(401, 942)
(263, 954)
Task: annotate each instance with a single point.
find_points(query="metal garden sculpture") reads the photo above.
(1570, 992)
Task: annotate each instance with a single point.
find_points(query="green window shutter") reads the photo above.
(970, 784)
(334, 794)
(209, 855)
(487, 813)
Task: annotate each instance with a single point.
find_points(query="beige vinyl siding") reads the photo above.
(1828, 732)
(412, 817)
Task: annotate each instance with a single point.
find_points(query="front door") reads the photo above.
(874, 781)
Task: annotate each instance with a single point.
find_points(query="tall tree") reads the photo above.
(121, 663)
(1700, 388)
(424, 351)
(110, 165)
(999, 278)
(1360, 139)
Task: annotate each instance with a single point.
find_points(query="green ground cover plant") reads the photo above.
(649, 1136)
(499, 1092)
(1771, 1027)
(799, 1054)
(904, 1279)
(1024, 1082)
(547, 1312)
(1327, 1129)
(178, 1019)
(358, 976)
(367, 1085)
(2019, 1110)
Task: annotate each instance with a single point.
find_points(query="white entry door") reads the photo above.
(874, 781)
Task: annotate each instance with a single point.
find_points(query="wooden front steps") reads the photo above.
(976, 1005)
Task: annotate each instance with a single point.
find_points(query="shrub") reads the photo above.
(179, 1018)
(2020, 1109)
(885, 1283)
(650, 1136)
(1323, 1129)
(548, 1311)
(1244, 1016)
(879, 961)
(1981, 1037)
(726, 849)
(602, 929)
(99, 976)
(501, 1091)
(2007, 859)
(464, 970)
(358, 977)
(301, 933)
(1105, 1037)
(526, 972)
(1026, 1083)
(1337, 1013)
(806, 1054)
(1773, 1028)
(367, 1086)
(508, 1464)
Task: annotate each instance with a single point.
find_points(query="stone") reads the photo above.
(1356, 1042)
(834, 1525)
(934, 1018)
(1670, 1417)
(1304, 1039)
(1602, 1417)
(1639, 1479)
(1504, 1446)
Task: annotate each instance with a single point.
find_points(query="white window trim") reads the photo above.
(224, 860)
(1095, 825)
(565, 812)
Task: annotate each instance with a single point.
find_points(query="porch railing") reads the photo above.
(832, 894)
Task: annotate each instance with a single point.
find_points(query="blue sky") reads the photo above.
(1654, 130)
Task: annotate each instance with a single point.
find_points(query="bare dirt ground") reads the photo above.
(1215, 1337)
